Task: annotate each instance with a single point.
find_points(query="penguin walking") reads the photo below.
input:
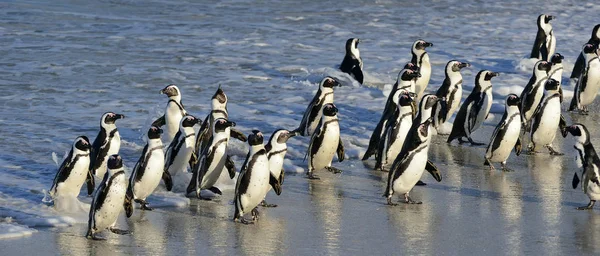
(451, 90)
(547, 119)
(420, 58)
(410, 163)
(148, 170)
(253, 181)
(533, 91)
(276, 151)
(107, 143)
(545, 42)
(589, 160)
(325, 143)
(556, 71)
(312, 115)
(212, 160)
(181, 150)
(395, 133)
(580, 62)
(506, 135)
(108, 199)
(73, 171)
(352, 63)
(588, 84)
(173, 112)
(475, 109)
(404, 85)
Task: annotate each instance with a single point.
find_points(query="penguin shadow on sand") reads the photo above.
(411, 224)
(265, 238)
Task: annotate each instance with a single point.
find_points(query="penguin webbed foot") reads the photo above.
(420, 183)
(95, 237)
(587, 207)
(553, 151)
(333, 169)
(143, 204)
(390, 203)
(265, 204)
(311, 176)
(119, 231)
(409, 200)
(243, 221)
(506, 169)
(254, 214)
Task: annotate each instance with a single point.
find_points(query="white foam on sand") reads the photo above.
(10, 230)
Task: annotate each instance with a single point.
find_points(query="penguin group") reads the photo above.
(179, 143)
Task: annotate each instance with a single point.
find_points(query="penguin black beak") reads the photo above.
(160, 131)
(566, 131)
(493, 74)
(119, 116)
(230, 124)
(464, 65)
(292, 134)
(428, 44)
(337, 83)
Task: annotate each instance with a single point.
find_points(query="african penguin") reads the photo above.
(148, 170)
(475, 109)
(212, 159)
(556, 71)
(109, 199)
(352, 63)
(589, 160)
(325, 143)
(506, 135)
(545, 42)
(312, 114)
(533, 91)
(254, 179)
(181, 150)
(173, 113)
(588, 84)
(451, 91)
(276, 151)
(395, 133)
(547, 119)
(421, 59)
(73, 171)
(107, 142)
(410, 163)
(580, 62)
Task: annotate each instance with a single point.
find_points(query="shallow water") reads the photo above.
(64, 64)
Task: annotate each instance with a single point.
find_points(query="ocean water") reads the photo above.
(65, 63)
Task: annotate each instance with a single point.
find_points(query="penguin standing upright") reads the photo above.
(107, 142)
(181, 150)
(545, 42)
(533, 91)
(212, 160)
(173, 112)
(276, 151)
(148, 170)
(475, 109)
(325, 143)
(451, 91)
(556, 71)
(254, 178)
(109, 199)
(404, 85)
(547, 119)
(312, 114)
(73, 171)
(506, 135)
(395, 133)
(410, 163)
(420, 58)
(580, 62)
(589, 160)
(352, 63)
(588, 84)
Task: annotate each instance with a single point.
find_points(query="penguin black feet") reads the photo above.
(505, 169)
(553, 151)
(420, 183)
(389, 201)
(311, 176)
(243, 220)
(93, 236)
(409, 200)
(265, 204)
(587, 207)
(333, 169)
(119, 231)
(254, 213)
(143, 204)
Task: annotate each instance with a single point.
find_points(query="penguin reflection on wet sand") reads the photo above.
(325, 143)
(73, 171)
(352, 63)
(547, 119)
(506, 135)
(253, 181)
(545, 42)
(148, 170)
(451, 91)
(474, 110)
(410, 164)
(312, 114)
(588, 160)
(173, 112)
(588, 84)
(107, 143)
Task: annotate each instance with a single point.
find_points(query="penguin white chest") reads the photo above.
(592, 189)
(216, 166)
(593, 84)
(484, 111)
(328, 147)
(173, 115)
(397, 141)
(152, 175)
(413, 171)
(425, 70)
(276, 164)
(107, 215)
(72, 185)
(258, 184)
(183, 156)
(115, 146)
(545, 132)
(455, 96)
(507, 142)
(327, 98)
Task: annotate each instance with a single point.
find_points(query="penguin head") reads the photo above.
(154, 132)
(411, 66)
(256, 138)
(541, 68)
(543, 20)
(405, 100)
(428, 101)
(219, 97)
(420, 45)
(423, 129)
(221, 124)
(408, 75)
(329, 109)
(171, 91)
(114, 162)
(281, 136)
(109, 118)
(483, 79)
(578, 131)
(352, 45)
(556, 58)
(456, 66)
(596, 33)
(189, 121)
(589, 49)
(551, 85)
(513, 100)
(329, 82)
(82, 143)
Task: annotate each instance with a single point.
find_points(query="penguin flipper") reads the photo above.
(215, 190)
(575, 181)
(540, 38)
(562, 124)
(237, 134)
(560, 92)
(573, 105)
(433, 170)
(578, 67)
(166, 177)
(357, 72)
(91, 183)
(310, 113)
(275, 184)
(128, 205)
(230, 165)
(340, 151)
(375, 139)
(159, 122)
(281, 176)
(204, 134)
(518, 147)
